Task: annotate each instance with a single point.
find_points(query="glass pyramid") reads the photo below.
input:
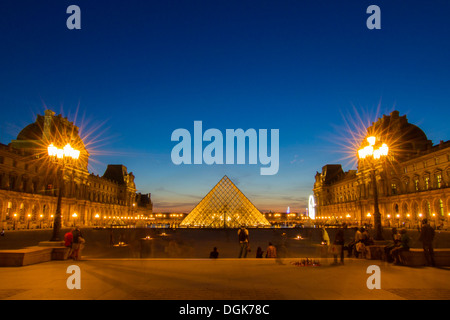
(225, 206)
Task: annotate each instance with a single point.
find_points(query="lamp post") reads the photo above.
(74, 216)
(60, 157)
(15, 218)
(371, 154)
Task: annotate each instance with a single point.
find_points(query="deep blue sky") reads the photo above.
(137, 70)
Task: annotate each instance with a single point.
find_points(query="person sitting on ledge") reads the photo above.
(405, 241)
(271, 251)
(214, 254)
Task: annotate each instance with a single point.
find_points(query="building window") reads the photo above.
(416, 184)
(428, 208)
(8, 211)
(439, 180)
(405, 170)
(436, 160)
(427, 183)
(414, 167)
(393, 189)
(441, 207)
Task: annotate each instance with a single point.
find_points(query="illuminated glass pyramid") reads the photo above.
(225, 206)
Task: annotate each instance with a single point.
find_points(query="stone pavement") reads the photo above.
(221, 279)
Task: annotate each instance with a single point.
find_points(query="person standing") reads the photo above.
(271, 251)
(339, 241)
(77, 243)
(243, 241)
(352, 244)
(68, 242)
(427, 237)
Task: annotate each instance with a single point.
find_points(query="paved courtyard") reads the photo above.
(222, 279)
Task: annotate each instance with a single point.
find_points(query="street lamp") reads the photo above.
(60, 157)
(15, 218)
(371, 154)
(74, 216)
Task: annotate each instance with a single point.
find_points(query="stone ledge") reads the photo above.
(24, 257)
(32, 255)
(416, 257)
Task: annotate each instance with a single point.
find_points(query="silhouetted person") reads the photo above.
(339, 242)
(427, 237)
(214, 254)
(259, 252)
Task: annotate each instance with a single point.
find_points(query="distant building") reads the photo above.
(412, 183)
(30, 180)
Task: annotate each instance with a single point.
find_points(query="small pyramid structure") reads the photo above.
(225, 206)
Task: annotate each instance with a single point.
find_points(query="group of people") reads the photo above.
(402, 242)
(361, 240)
(244, 243)
(74, 241)
(337, 247)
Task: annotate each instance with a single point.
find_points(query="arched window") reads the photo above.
(427, 209)
(441, 208)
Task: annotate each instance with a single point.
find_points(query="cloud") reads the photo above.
(296, 159)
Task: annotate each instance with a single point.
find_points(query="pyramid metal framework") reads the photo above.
(225, 206)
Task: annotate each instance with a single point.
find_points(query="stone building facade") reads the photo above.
(30, 182)
(412, 182)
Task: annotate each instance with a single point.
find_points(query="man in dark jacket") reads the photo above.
(427, 237)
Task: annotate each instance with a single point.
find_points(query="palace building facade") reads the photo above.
(30, 181)
(412, 182)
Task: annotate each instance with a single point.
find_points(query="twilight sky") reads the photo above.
(138, 70)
